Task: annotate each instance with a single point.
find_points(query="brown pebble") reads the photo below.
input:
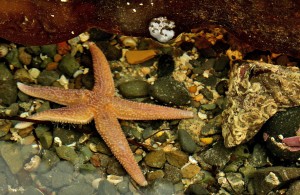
(193, 89)
(52, 66)
(190, 171)
(139, 56)
(57, 57)
(24, 57)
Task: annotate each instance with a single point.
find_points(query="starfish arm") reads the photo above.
(129, 110)
(55, 94)
(111, 132)
(72, 114)
(104, 83)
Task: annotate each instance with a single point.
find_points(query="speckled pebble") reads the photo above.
(177, 158)
(160, 186)
(153, 175)
(106, 188)
(190, 171)
(134, 89)
(155, 159)
(170, 91)
(68, 65)
(218, 155)
(47, 77)
(186, 142)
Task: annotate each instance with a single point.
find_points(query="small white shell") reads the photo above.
(33, 164)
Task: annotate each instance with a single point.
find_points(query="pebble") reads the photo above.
(186, 142)
(49, 50)
(47, 78)
(211, 80)
(77, 189)
(283, 123)
(23, 75)
(155, 159)
(190, 171)
(68, 65)
(197, 189)
(24, 57)
(170, 91)
(49, 159)
(207, 93)
(294, 188)
(134, 89)
(160, 186)
(115, 168)
(154, 175)
(3, 50)
(4, 127)
(267, 179)
(66, 136)
(111, 52)
(123, 186)
(217, 156)
(34, 72)
(32, 191)
(259, 157)
(34, 50)
(106, 188)
(13, 58)
(45, 62)
(234, 183)
(172, 173)
(12, 110)
(221, 63)
(8, 91)
(222, 87)
(177, 158)
(66, 153)
(11, 153)
(139, 56)
(165, 65)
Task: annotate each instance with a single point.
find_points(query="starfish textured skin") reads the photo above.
(100, 104)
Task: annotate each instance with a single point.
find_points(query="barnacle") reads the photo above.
(256, 91)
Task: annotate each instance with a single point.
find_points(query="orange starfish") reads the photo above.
(101, 105)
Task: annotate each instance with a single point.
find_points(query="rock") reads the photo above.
(49, 159)
(259, 157)
(222, 87)
(221, 63)
(77, 189)
(68, 65)
(66, 153)
(11, 153)
(115, 168)
(172, 173)
(197, 189)
(23, 75)
(155, 159)
(5, 126)
(154, 175)
(234, 183)
(134, 89)
(177, 158)
(60, 179)
(3, 50)
(45, 62)
(285, 124)
(170, 91)
(12, 110)
(123, 186)
(32, 191)
(13, 58)
(267, 179)
(110, 51)
(5, 73)
(190, 171)
(165, 65)
(8, 92)
(47, 77)
(66, 136)
(160, 186)
(49, 50)
(24, 57)
(217, 156)
(106, 188)
(294, 188)
(186, 142)
(139, 56)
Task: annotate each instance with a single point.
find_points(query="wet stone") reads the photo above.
(222, 87)
(208, 106)
(153, 175)
(5, 73)
(172, 173)
(134, 89)
(4, 127)
(207, 93)
(221, 63)
(47, 77)
(186, 142)
(45, 62)
(190, 171)
(13, 58)
(68, 65)
(155, 159)
(177, 158)
(197, 189)
(160, 186)
(49, 50)
(217, 156)
(66, 153)
(208, 52)
(35, 50)
(11, 153)
(111, 52)
(49, 159)
(115, 168)
(123, 186)
(76, 189)
(24, 57)
(259, 157)
(165, 65)
(210, 81)
(32, 191)
(106, 188)
(170, 91)
(294, 188)
(235, 183)
(23, 75)
(60, 179)
(8, 92)
(12, 110)
(67, 136)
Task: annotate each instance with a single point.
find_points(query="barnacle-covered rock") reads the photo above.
(256, 91)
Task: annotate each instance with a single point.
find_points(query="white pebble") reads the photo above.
(34, 72)
(162, 29)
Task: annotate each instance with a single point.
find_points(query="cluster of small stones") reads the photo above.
(176, 156)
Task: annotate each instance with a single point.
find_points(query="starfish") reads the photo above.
(100, 104)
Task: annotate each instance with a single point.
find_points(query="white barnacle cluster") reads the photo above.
(162, 29)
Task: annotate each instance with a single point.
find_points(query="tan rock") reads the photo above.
(190, 171)
(139, 56)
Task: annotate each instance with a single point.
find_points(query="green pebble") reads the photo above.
(13, 58)
(23, 76)
(177, 158)
(87, 167)
(12, 110)
(11, 153)
(66, 153)
(208, 106)
(47, 77)
(86, 152)
(5, 73)
(134, 89)
(49, 50)
(8, 92)
(45, 62)
(186, 142)
(46, 139)
(68, 65)
(35, 50)
(44, 106)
